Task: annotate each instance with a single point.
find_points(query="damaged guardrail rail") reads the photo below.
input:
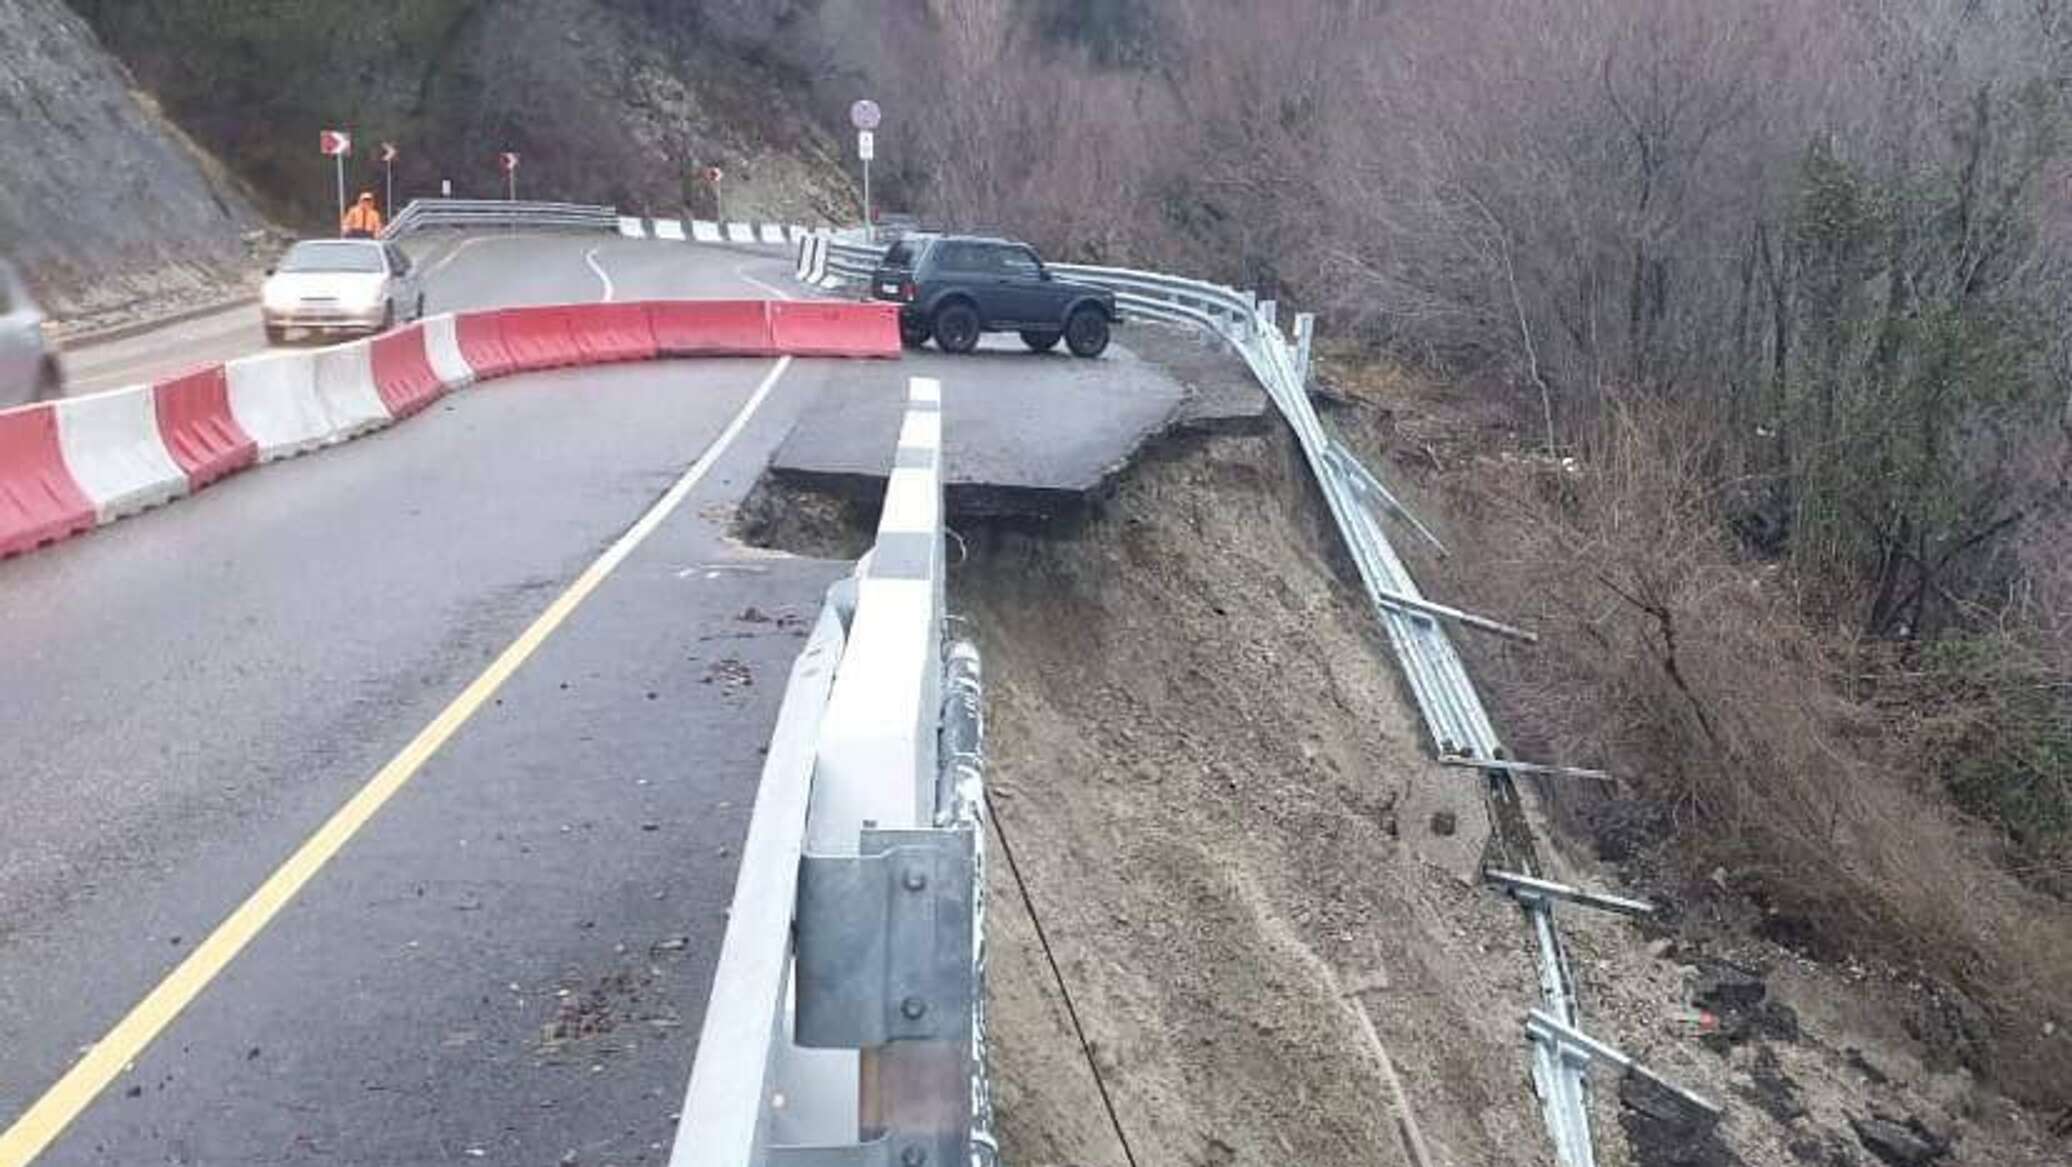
(1417, 629)
(846, 1022)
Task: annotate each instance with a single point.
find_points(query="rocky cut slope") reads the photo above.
(103, 203)
(602, 100)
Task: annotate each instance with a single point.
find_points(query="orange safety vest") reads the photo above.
(362, 216)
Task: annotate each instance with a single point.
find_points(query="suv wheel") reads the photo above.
(1086, 334)
(913, 333)
(1040, 340)
(50, 381)
(956, 328)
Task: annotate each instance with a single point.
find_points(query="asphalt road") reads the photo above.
(509, 962)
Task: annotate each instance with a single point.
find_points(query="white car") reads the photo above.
(28, 363)
(340, 285)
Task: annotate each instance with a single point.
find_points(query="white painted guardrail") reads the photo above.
(845, 1022)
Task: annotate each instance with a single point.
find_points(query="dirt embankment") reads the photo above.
(1241, 918)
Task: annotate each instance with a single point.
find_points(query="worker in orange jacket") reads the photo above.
(362, 219)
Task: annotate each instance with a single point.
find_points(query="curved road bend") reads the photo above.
(509, 961)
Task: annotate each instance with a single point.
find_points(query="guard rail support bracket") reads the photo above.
(884, 941)
(1571, 1042)
(1523, 886)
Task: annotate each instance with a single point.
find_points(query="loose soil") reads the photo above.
(1221, 809)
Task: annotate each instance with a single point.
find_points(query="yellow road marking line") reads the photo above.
(41, 1124)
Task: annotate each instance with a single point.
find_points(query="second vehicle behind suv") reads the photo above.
(955, 288)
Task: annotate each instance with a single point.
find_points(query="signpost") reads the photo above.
(509, 162)
(719, 206)
(336, 144)
(388, 179)
(865, 116)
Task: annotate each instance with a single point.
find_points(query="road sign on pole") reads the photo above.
(336, 144)
(388, 178)
(865, 116)
(509, 161)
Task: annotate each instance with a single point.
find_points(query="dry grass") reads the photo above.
(1687, 668)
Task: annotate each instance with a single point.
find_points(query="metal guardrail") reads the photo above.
(462, 214)
(847, 1020)
(1452, 710)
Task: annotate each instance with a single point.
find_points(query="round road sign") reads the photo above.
(865, 115)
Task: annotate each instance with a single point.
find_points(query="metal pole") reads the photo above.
(511, 185)
(870, 231)
(340, 160)
(388, 182)
(719, 204)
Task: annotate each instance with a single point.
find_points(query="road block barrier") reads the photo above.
(112, 446)
(199, 430)
(345, 387)
(40, 501)
(540, 338)
(711, 328)
(605, 333)
(67, 466)
(442, 348)
(403, 373)
(826, 328)
(274, 399)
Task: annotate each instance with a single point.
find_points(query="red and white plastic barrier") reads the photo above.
(275, 399)
(67, 465)
(111, 444)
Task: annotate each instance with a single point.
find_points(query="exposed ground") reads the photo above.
(1221, 811)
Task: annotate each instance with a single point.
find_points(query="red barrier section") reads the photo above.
(195, 420)
(613, 332)
(817, 328)
(39, 501)
(481, 339)
(709, 328)
(403, 373)
(541, 338)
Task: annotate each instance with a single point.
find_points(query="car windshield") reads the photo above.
(340, 257)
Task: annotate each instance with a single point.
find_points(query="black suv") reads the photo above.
(955, 287)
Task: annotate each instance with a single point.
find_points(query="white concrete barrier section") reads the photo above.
(631, 227)
(772, 234)
(877, 742)
(805, 263)
(442, 348)
(740, 233)
(274, 397)
(670, 229)
(112, 446)
(705, 232)
(345, 387)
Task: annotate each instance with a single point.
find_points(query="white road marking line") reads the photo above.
(39, 1126)
(590, 257)
(450, 256)
(780, 293)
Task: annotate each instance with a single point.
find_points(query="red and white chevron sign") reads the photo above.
(335, 143)
(508, 161)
